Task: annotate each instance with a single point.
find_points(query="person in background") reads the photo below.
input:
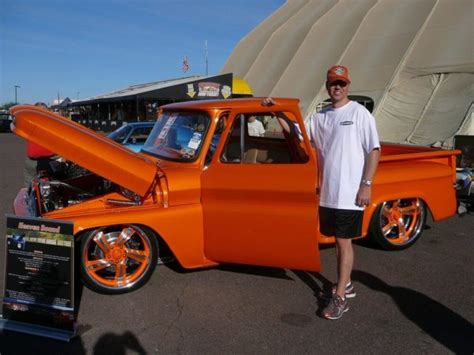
(37, 157)
(348, 148)
(255, 127)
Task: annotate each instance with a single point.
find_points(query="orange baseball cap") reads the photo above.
(338, 72)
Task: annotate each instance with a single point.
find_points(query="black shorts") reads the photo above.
(339, 223)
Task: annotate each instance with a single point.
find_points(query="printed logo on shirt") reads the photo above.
(346, 123)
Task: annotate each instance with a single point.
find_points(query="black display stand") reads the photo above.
(38, 295)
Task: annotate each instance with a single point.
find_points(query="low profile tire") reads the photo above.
(118, 259)
(398, 224)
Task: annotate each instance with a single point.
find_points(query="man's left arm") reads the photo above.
(364, 194)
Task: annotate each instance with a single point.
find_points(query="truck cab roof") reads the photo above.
(241, 103)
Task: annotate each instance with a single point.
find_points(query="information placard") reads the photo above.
(39, 275)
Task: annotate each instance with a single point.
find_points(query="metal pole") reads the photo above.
(207, 62)
(136, 108)
(242, 136)
(16, 93)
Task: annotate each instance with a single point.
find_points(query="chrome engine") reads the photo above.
(64, 184)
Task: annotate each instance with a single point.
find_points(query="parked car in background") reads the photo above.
(132, 135)
(5, 120)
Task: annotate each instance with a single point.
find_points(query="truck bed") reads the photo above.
(396, 152)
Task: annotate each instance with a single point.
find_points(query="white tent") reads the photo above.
(413, 58)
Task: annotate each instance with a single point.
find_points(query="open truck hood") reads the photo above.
(84, 147)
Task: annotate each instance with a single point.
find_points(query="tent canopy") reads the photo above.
(413, 58)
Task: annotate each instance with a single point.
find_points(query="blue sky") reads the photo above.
(82, 48)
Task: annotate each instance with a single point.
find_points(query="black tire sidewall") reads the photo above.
(93, 285)
(377, 236)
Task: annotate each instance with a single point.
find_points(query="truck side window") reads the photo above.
(220, 127)
(264, 139)
(139, 135)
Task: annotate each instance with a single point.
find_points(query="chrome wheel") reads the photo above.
(397, 224)
(118, 259)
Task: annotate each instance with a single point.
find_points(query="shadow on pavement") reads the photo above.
(272, 272)
(309, 278)
(442, 324)
(111, 343)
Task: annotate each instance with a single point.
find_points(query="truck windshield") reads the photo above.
(178, 136)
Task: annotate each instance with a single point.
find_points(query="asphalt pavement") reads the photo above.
(416, 301)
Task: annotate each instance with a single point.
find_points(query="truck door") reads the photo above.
(258, 195)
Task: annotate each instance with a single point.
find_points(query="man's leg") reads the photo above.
(345, 257)
(345, 261)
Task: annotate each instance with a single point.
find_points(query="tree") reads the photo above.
(7, 105)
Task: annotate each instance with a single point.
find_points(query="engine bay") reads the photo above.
(61, 184)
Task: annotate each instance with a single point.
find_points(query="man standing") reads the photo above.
(348, 147)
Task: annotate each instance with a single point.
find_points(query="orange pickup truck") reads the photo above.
(211, 190)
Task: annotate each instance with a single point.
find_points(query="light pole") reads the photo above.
(16, 93)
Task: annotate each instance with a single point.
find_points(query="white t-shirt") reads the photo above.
(256, 129)
(343, 138)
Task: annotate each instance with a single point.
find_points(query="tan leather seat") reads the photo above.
(250, 156)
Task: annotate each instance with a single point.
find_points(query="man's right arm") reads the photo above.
(283, 119)
(268, 101)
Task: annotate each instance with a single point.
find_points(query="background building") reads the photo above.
(141, 102)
